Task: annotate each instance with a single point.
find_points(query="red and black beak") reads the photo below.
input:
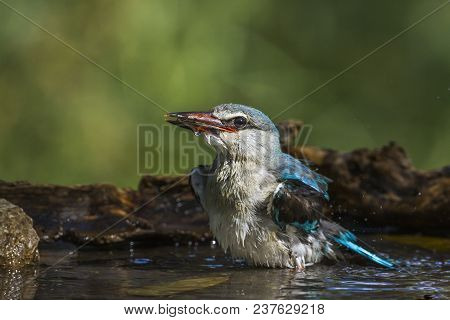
(199, 121)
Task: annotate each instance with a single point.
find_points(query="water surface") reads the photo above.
(205, 272)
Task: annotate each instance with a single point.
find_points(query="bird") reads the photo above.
(264, 206)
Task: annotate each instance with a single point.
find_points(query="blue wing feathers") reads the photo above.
(300, 212)
(292, 170)
(307, 226)
(348, 240)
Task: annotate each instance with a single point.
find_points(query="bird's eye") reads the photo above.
(240, 122)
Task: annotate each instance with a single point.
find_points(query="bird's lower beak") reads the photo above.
(198, 121)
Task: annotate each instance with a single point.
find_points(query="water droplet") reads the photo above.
(212, 266)
(131, 249)
(141, 261)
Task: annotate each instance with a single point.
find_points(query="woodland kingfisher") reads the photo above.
(264, 205)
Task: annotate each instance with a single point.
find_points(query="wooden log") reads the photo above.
(381, 188)
(79, 213)
(371, 188)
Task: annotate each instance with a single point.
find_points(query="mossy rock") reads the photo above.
(18, 240)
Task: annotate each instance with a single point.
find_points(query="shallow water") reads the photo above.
(204, 272)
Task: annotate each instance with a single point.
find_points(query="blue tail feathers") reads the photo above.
(348, 240)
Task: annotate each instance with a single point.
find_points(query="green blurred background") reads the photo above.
(62, 120)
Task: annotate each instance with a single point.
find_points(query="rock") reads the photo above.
(18, 239)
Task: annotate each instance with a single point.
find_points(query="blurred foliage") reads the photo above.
(62, 120)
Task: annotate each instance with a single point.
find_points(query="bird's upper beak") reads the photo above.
(198, 121)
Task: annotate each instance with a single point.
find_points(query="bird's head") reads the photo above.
(238, 131)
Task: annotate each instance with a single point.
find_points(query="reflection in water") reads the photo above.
(353, 282)
(18, 284)
(117, 273)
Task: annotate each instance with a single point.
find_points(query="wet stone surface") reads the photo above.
(18, 240)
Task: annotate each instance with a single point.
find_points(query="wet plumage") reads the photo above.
(263, 204)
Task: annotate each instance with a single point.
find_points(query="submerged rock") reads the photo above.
(18, 239)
